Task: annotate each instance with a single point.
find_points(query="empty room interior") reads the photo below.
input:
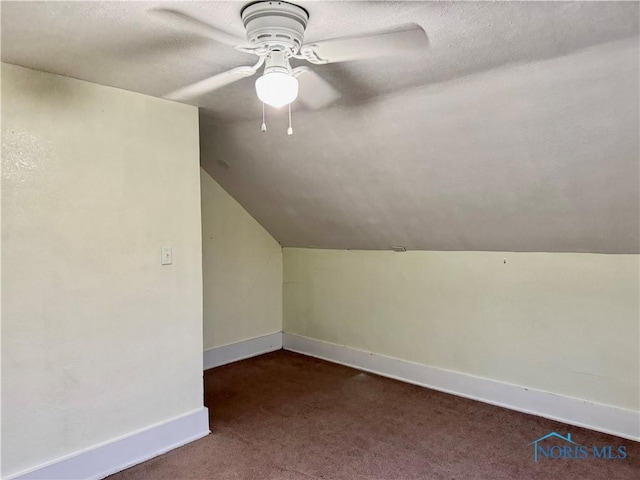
(320, 240)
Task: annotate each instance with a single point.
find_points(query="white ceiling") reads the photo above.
(516, 130)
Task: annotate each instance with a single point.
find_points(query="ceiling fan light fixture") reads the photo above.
(275, 33)
(277, 89)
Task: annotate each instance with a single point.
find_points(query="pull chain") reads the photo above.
(263, 127)
(290, 129)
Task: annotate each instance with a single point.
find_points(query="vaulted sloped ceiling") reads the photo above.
(534, 157)
(517, 130)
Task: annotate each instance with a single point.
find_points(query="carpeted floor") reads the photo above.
(287, 416)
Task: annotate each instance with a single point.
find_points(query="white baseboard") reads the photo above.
(603, 418)
(215, 357)
(116, 455)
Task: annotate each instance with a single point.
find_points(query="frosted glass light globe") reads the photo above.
(277, 89)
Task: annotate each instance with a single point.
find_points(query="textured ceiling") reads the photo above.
(516, 130)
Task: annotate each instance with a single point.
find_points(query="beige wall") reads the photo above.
(98, 339)
(242, 268)
(563, 323)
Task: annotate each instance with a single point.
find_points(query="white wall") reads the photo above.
(98, 339)
(562, 323)
(242, 269)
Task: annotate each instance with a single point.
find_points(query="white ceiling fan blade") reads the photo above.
(209, 84)
(370, 46)
(182, 21)
(314, 92)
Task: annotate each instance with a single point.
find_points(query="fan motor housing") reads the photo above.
(275, 25)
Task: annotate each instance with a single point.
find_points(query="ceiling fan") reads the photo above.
(275, 34)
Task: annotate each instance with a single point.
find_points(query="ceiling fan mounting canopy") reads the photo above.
(275, 25)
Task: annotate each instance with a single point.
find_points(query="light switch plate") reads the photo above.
(167, 256)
